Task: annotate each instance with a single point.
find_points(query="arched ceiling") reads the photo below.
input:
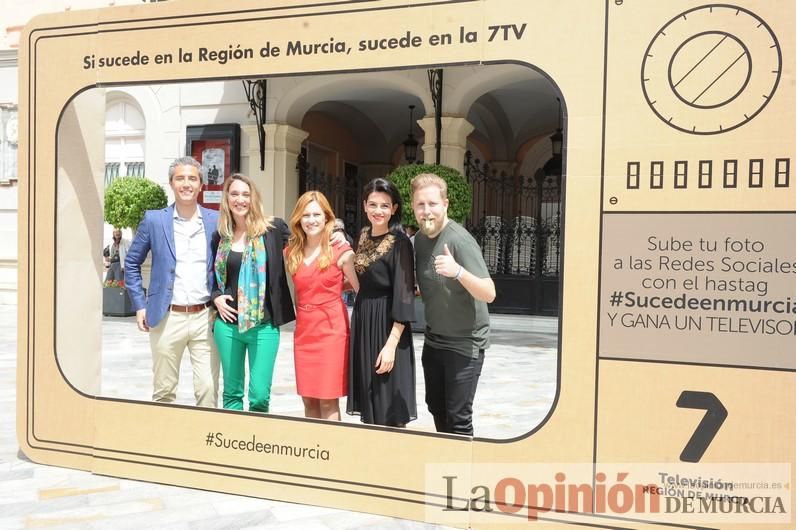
(511, 114)
(507, 104)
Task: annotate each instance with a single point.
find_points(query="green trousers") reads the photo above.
(261, 343)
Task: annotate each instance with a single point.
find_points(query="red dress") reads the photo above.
(320, 341)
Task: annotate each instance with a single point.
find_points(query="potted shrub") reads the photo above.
(115, 302)
(460, 201)
(126, 200)
(460, 195)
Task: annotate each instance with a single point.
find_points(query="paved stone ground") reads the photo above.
(520, 369)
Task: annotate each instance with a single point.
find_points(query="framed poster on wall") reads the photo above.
(217, 148)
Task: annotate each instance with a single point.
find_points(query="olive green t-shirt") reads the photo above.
(455, 321)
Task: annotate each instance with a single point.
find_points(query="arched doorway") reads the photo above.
(504, 116)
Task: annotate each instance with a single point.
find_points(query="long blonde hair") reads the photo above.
(256, 221)
(298, 239)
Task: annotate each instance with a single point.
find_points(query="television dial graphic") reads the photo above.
(711, 69)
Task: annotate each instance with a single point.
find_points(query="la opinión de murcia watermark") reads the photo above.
(750, 493)
(511, 495)
(219, 440)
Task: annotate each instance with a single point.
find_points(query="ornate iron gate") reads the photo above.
(342, 192)
(516, 221)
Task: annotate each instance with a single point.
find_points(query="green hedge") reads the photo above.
(127, 198)
(460, 195)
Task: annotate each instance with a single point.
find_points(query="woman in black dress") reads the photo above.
(381, 382)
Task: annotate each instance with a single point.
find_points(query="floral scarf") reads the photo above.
(251, 280)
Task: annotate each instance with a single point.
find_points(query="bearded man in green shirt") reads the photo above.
(456, 287)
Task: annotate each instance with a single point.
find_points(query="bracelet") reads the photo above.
(459, 274)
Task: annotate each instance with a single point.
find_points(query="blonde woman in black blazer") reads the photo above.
(252, 296)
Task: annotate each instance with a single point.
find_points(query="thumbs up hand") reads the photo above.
(445, 265)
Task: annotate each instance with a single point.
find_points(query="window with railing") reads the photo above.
(8, 143)
(134, 169)
(124, 140)
(111, 172)
(130, 169)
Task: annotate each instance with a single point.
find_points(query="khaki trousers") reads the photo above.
(168, 341)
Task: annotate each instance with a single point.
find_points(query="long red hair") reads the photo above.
(298, 239)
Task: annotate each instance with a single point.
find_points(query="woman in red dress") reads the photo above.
(320, 340)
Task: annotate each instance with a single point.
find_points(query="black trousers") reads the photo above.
(451, 380)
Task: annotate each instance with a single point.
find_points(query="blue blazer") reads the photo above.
(156, 234)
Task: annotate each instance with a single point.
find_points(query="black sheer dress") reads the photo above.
(385, 267)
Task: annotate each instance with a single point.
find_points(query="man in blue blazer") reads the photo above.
(175, 310)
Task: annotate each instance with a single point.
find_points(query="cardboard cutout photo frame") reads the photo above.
(679, 203)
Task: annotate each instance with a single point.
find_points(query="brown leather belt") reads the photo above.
(188, 308)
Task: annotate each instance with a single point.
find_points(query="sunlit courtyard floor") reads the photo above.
(514, 393)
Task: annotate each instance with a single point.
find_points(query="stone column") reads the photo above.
(281, 182)
(455, 131)
(250, 164)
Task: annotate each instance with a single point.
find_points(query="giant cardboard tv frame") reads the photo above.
(663, 149)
